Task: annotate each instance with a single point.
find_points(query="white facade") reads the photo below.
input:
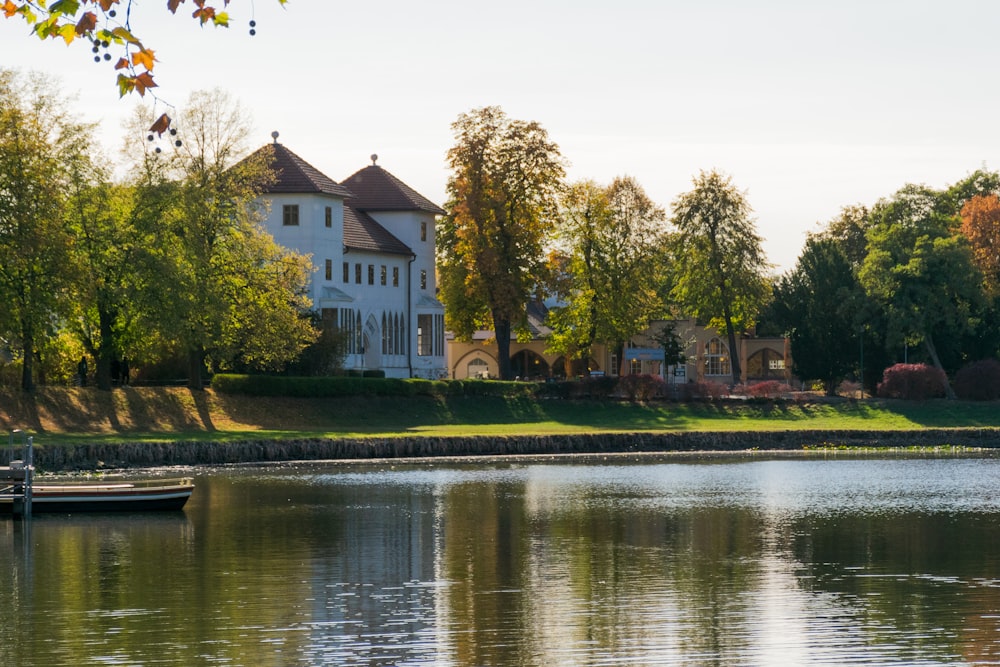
(373, 269)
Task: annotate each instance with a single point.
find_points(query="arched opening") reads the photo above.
(529, 365)
(478, 369)
(578, 367)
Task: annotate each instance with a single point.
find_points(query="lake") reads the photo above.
(722, 560)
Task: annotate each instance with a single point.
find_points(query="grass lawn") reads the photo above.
(75, 415)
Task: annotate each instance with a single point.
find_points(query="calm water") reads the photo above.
(690, 562)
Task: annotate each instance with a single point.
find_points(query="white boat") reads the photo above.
(124, 496)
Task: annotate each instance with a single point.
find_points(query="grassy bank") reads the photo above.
(85, 415)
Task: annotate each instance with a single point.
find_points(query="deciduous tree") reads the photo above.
(920, 271)
(227, 293)
(39, 145)
(817, 303)
(503, 189)
(720, 264)
(614, 236)
(981, 226)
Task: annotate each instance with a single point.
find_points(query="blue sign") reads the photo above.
(644, 353)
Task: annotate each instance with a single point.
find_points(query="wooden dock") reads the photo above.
(17, 477)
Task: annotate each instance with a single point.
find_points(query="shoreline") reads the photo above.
(58, 458)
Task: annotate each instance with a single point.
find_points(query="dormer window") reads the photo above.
(290, 215)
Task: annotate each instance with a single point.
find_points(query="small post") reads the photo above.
(29, 471)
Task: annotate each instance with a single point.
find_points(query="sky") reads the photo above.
(809, 106)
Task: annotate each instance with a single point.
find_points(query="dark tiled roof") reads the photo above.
(295, 175)
(375, 189)
(361, 232)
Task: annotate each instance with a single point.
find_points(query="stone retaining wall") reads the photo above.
(153, 454)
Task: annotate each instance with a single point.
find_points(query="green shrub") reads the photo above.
(354, 384)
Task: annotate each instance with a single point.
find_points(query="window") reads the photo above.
(357, 273)
(478, 368)
(423, 231)
(395, 276)
(371, 274)
(430, 335)
(347, 272)
(425, 335)
(290, 215)
(329, 216)
(716, 358)
(350, 324)
(423, 278)
(329, 269)
(776, 364)
(382, 276)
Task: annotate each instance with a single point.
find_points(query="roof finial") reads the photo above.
(274, 135)
(374, 159)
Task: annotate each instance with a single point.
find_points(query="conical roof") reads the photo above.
(375, 189)
(295, 175)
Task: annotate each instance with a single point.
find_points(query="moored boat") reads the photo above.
(118, 496)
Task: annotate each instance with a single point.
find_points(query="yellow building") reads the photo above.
(708, 356)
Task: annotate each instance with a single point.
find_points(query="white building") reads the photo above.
(371, 239)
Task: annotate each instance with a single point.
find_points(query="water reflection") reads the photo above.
(721, 562)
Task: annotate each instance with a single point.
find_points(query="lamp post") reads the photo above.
(861, 367)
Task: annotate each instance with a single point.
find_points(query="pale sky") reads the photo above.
(809, 106)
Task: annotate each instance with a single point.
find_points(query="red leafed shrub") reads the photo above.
(640, 387)
(765, 389)
(695, 391)
(913, 382)
(979, 381)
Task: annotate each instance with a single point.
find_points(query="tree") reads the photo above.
(502, 206)
(981, 226)
(234, 296)
(613, 236)
(849, 231)
(920, 271)
(720, 265)
(817, 303)
(39, 146)
(99, 23)
(100, 220)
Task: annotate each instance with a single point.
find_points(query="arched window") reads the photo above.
(385, 336)
(717, 358)
(402, 335)
(478, 368)
(358, 334)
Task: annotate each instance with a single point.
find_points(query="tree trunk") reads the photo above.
(105, 350)
(196, 364)
(734, 354)
(28, 358)
(932, 351)
(501, 329)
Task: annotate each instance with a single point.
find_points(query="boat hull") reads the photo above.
(124, 497)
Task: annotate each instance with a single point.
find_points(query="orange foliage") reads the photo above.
(981, 225)
(97, 22)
